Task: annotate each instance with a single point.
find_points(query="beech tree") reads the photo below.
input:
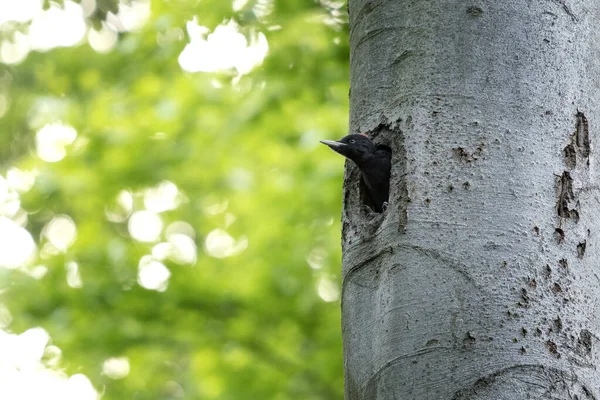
(480, 280)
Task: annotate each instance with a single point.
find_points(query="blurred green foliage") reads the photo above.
(243, 153)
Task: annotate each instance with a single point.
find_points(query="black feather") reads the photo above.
(373, 161)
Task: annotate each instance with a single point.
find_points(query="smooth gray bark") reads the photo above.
(482, 278)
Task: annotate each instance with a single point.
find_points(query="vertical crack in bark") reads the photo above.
(570, 157)
(565, 197)
(582, 135)
(581, 249)
(567, 206)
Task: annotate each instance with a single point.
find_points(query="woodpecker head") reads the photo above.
(355, 147)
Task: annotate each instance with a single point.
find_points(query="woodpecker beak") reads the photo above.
(333, 145)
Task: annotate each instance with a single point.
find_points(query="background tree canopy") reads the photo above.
(168, 221)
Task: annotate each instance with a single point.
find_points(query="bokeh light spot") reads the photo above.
(116, 367)
(316, 258)
(145, 226)
(161, 251)
(79, 387)
(224, 49)
(30, 347)
(153, 275)
(328, 290)
(131, 16)
(43, 31)
(104, 40)
(183, 249)
(237, 5)
(61, 232)
(14, 50)
(161, 198)
(52, 139)
(73, 277)
(122, 209)
(21, 180)
(214, 207)
(19, 11)
(221, 244)
(16, 244)
(181, 227)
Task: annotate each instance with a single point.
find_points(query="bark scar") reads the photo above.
(565, 196)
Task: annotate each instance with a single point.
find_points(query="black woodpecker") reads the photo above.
(374, 163)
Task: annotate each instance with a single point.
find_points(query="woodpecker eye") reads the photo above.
(352, 140)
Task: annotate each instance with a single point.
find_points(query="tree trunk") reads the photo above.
(481, 279)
